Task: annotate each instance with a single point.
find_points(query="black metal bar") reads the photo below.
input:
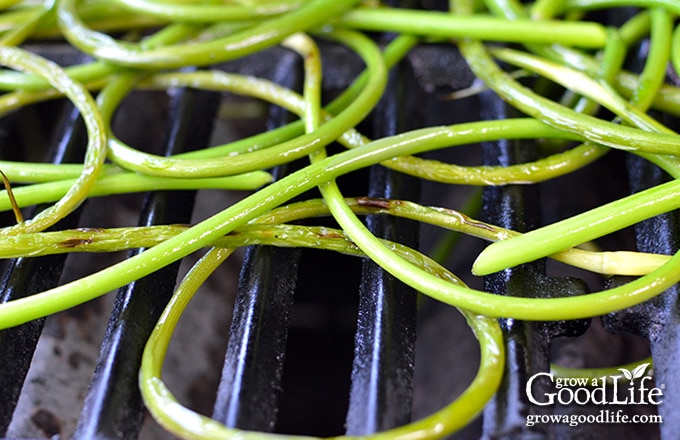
(113, 408)
(661, 235)
(250, 384)
(251, 376)
(18, 344)
(382, 373)
(527, 343)
(381, 390)
(657, 319)
(508, 207)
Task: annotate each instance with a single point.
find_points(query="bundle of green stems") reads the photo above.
(155, 41)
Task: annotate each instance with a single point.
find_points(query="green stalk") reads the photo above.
(4, 4)
(654, 72)
(206, 13)
(18, 34)
(476, 397)
(83, 73)
(33, 172)
(118, 239)
(122, 183)
(96, 148)
(442, 25)
(184, 422)
(579, 229)
(540, 170)
(669, 5)
(260, 36)
(675, 54)
(201, 235)
(580, 83)
(593, 129)
(286, 151)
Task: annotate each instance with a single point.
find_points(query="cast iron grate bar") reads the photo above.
(113, 408)
(656, 320)
(252, 372)
(381, 391)
(17, 345)
(527, 343)
(250, 383)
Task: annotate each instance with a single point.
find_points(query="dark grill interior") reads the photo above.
(318, 343)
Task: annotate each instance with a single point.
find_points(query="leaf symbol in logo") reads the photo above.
(639, 371)
(626, 373)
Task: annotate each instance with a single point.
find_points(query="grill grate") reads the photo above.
(304, 352)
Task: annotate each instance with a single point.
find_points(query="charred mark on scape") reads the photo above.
(477, 224)
(75, 242)
(374, 202)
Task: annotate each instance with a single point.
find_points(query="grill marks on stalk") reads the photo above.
(75, 242)
(375, 202)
